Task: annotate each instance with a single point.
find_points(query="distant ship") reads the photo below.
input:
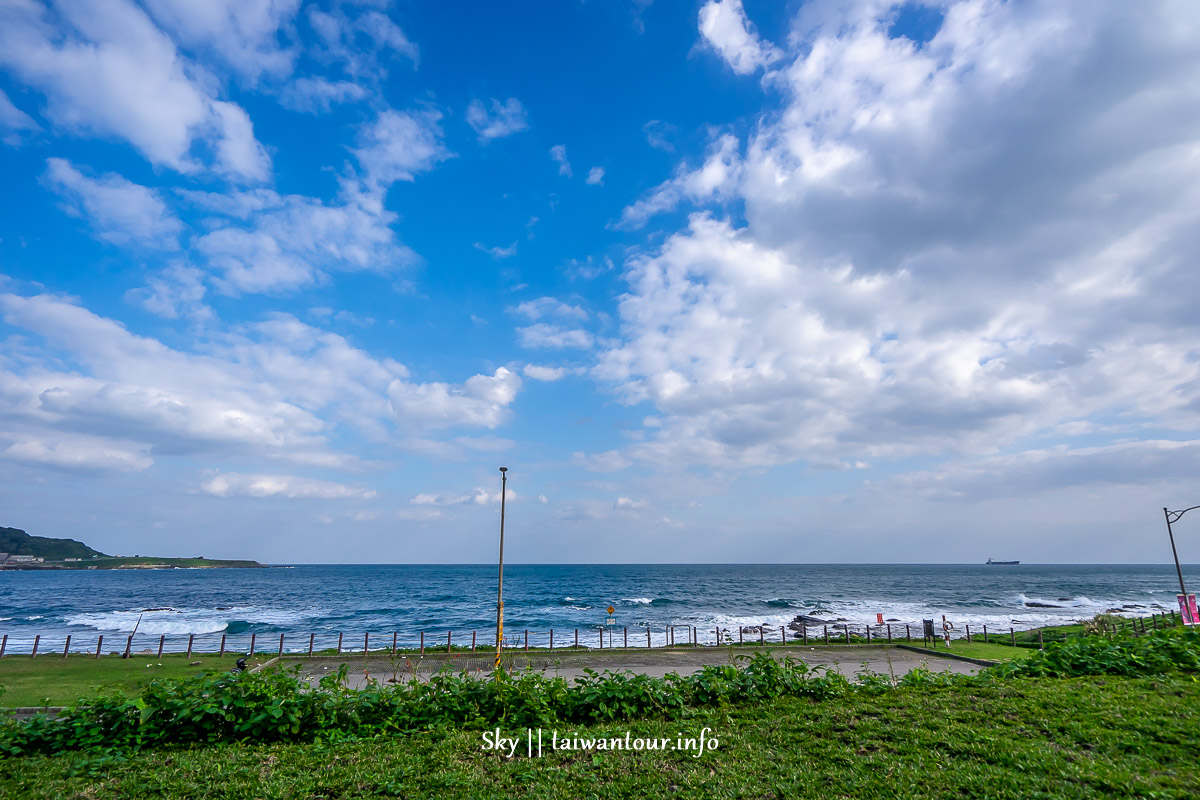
(1003, 563)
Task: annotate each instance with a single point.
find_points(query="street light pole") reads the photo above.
(500, 580)
(1173, 516)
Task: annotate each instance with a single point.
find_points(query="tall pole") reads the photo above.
(500, 580)
(1171, 534)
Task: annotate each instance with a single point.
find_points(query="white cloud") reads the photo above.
(273, 243)
(659, 135)
(277, 389)
(478, 496)
(548, 307)
(628, 504)
(595, 176)
(545, 335)
(724, 25)
(948, 248)
(360, 45)
(504, 119)
(481, 401)
(717, 178)
(177, 291)
(318, 95)
(540, 373)
(106, 69)
(242, 33)
(559, 154)
(14, 122)
(398, 145)
(75, 452)
(232, 484)
(120, 211)
(498, 252)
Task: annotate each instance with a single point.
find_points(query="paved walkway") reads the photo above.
(658, 662)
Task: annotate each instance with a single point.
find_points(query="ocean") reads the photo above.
(406, 600)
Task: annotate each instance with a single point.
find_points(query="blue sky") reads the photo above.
(717, 281)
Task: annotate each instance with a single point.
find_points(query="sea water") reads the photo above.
(716, 599)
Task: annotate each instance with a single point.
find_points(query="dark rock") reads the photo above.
(1041, 605)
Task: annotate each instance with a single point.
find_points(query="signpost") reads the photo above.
(500, 579)
(1187, 609)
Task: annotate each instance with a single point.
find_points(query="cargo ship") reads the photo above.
(1002, 563)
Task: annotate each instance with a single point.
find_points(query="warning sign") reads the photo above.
(611, 609)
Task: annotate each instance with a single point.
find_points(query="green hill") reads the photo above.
(17, 542)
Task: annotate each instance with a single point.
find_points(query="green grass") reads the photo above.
(1049, 738)
(984, 650)
(53, 680)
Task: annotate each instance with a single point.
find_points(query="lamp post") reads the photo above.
(1173, 516)
(500, 580)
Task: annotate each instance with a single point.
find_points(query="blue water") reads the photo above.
(326, 600)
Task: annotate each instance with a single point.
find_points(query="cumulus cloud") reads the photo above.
(398, 145)
(504, 119)
(108, 70)
(947, 247)
(548, 307)
(232, 484)
(559, 154)
(361, 45)
(242, 33)
(74, 452)
(595, 176)
(278, 389)
(540, 373)
(724, 26)
(481, 401)
(716, 179)
(120, 211)
(478, 496)
(497, 252)
(557, 337)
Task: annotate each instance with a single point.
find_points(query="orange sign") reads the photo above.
(611, 609)
(879, 619)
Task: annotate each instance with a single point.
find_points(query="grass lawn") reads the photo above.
(1047, 738)
(985, 650)
(55, 681)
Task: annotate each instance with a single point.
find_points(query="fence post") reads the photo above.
(602, 638)
(222, 653)
(526, 641)
(162, 639)
(339, 650)
(907, 635)
(191, 639)
(67, 647)
(37, 639)
(740, 639)
(448, 634)
(472, 641)
(826, 634)
(311, 638)
(782, 634)
(422, 642)
(889, 634)
(804, 633)
(552, 640)
(968, 634)
(717, 631)
(253, 636)
(868, 634)
(577, 637)
(4, 645)
(281, 645)
(761, 639)
(985, 639)
(1041, 645)
(366, 642)
(626, 637)
(1154, 621)
(695, 636)
(1012, 635)
(647, 636)
(99, 644)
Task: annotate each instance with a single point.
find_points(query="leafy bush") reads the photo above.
(1161, 652)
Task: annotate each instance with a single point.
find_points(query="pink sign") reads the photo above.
(1187, 609)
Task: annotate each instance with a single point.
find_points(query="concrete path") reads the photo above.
(659, 662)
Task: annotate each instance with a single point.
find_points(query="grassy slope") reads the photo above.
(1069, 738)
(54, 680)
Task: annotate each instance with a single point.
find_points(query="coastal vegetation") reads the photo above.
(70, 554)
(1095, 716)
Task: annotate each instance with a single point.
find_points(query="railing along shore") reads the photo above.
(605, 637)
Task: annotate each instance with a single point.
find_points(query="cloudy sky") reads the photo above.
(717, 281)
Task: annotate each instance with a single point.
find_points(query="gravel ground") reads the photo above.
(571, 664)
